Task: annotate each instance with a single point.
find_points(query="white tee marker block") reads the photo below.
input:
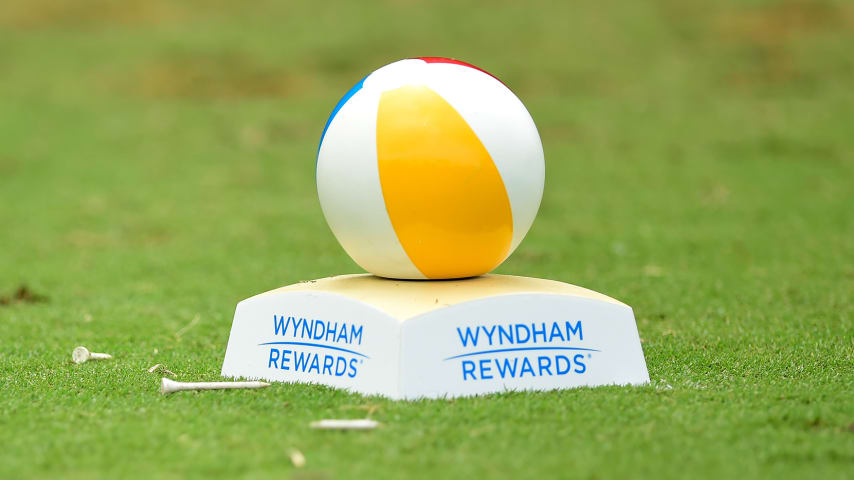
(409, 339)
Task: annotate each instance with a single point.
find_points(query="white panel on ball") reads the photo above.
(352, 198)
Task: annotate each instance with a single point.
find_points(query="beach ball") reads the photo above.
(430, 168)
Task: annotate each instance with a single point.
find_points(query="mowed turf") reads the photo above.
(157, 166)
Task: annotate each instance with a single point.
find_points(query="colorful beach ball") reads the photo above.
(430, 168)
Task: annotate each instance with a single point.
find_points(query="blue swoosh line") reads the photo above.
(520, 349)
(306, 344)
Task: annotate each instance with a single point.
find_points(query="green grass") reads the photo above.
(157, 166)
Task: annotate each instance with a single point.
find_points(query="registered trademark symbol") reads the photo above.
(589, 355)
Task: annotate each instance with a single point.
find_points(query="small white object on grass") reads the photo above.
(297, 458)
(171, 386)
(82, 354)
(160, 367)
(357, 424)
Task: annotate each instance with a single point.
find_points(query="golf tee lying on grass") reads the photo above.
(83, 355)
(168, 386)
(335, 424)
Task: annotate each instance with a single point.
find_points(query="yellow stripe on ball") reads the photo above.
(445, 197)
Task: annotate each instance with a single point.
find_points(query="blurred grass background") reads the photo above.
(157, 166)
